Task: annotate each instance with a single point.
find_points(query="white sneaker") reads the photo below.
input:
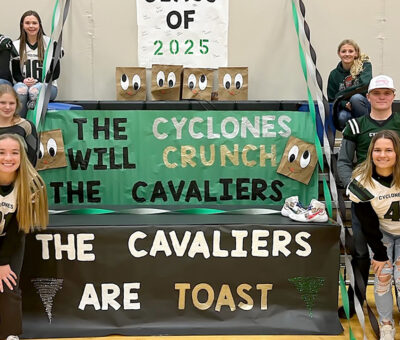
(292, 205)
(314, 213)
(12, 337)
(387, 332)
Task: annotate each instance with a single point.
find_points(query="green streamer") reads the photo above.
(328, 198)
(89, 211)
(152, 211)
(200, 211)
(44, 71)
(327, 195)
(346, 305)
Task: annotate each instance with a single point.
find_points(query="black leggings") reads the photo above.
(11, 300)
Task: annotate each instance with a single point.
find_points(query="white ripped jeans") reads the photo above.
(383, 283)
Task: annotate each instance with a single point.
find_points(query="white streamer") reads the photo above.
(311, 67)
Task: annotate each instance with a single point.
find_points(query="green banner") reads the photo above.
(175, 157)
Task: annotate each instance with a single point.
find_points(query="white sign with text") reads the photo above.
(192, 33)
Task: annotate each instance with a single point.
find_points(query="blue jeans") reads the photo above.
(360, 106)
(26, 93)
(383, 284)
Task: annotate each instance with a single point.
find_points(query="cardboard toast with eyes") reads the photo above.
(233, 83)
(197, 83)
(298, 161)
(130, 83)
(51, 150)
(166, 82)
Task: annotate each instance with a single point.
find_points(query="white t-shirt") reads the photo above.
(8, 205)
(33, 67)
(385, 202)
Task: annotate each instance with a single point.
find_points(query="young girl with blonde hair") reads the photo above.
(11, 122)
(348, 83)
(23, 207)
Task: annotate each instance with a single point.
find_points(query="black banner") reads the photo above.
(180, 274)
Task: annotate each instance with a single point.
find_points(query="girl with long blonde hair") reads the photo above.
(23, 207)
(348, 83)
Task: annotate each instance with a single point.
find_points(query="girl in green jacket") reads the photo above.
(348, 83)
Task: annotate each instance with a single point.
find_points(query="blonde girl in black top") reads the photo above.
(23, 207)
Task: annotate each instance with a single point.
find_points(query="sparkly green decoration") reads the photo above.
(308, 287)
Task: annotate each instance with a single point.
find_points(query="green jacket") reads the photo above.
(341, 82)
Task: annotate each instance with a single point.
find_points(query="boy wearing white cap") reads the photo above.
(357, 136)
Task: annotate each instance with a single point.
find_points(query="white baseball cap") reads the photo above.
(381, 82)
